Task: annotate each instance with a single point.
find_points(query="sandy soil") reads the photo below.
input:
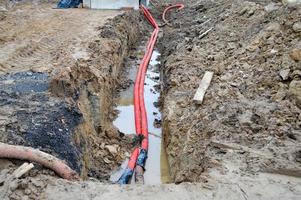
(34, 35)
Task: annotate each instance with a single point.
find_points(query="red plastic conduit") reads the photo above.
(139, 105)
(179, 6)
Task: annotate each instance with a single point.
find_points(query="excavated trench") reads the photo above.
(69, 111)
(242, 141)
(157, 169)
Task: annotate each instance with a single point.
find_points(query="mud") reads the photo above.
(250, 118)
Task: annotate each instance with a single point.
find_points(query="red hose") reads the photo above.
(179, 6)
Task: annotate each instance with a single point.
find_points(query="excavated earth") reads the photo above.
(250, 121)
(242, 142)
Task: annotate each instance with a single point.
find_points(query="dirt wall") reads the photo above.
(91, 84)
(249, 122)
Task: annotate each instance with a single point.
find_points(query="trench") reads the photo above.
(157, 170)
(67, 113)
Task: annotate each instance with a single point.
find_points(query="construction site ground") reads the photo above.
(62, 71)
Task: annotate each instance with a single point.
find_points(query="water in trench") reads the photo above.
(157, 170)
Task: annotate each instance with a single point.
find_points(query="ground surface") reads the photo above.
(34, 35)
(243, 142)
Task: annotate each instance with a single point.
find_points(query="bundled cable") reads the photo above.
(139, 155)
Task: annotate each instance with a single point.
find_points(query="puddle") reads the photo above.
(157, 170)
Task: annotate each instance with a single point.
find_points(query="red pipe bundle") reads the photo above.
(139, 155)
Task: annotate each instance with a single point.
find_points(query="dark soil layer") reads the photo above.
(250, 119)
(31, 117)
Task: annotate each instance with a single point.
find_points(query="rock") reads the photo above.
(284, 73)
(274, 51)
(295, 91)
(251, 12)
(297, 27)
(27, 191)
(254, 45)
(293, 2)
(112, 133)
(295, 54)
(273, 27)
(113, 149)
(3, 9)
(281, 93)
(243, 11)
(245, 118)
(271, 7)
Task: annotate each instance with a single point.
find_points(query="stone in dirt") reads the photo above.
(297, 27)
(295, 54)
(112, 148)
(284, 73)
(295, 91)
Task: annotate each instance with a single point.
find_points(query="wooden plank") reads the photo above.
(204, 84)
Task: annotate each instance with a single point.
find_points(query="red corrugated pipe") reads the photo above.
(139, 155)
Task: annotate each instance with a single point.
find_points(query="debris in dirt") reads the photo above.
(157, 123)
(203, 34)
(11, 183)
(113, 149)
(23, 169)
(204, 84)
